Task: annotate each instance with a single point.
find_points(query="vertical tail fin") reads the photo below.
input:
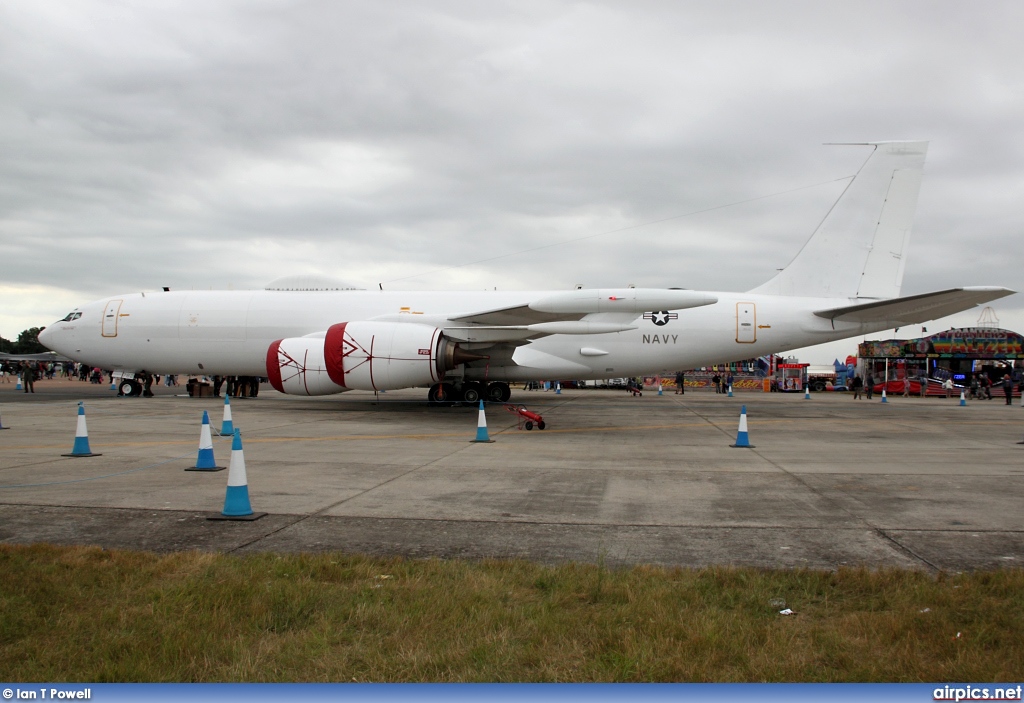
(858, 250)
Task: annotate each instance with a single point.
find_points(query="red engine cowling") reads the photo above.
(369, 356)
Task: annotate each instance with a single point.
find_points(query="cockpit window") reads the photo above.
(72, 316)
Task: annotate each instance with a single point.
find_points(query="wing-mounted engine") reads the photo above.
(368, 356)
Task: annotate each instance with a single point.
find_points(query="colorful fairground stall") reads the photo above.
(975, 358)
(790, 375)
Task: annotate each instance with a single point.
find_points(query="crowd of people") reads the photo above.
(28, 372)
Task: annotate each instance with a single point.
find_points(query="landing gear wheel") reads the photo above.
(434, 395)
(541, 425)
(471, 393)
(442, 394)
(528, 425)
(498, 392)
(129, 388)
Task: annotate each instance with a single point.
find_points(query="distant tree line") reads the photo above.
(27, 343)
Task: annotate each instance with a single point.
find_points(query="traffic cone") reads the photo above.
(807, 392)
(205, 460)
(236, 499)
(659, 389)
(730, 390)
(81, 447)
(227, 428)
(558, 388)
(19, 387)
(481, 427)
(963, 401)
(741, 436)
(113, 384)
(883, 396)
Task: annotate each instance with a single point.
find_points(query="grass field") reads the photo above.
(84, 614)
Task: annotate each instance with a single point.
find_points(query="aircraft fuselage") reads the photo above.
(229, 332)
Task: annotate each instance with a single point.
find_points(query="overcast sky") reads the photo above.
(225, 144)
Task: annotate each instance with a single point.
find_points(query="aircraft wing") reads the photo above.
(585, 311)
(916, 308)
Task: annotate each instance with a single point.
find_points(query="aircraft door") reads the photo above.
(110, 314)
(746, 323)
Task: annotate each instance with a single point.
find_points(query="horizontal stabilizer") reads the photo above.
(916, 308)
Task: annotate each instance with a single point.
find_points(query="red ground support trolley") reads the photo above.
(527, 419)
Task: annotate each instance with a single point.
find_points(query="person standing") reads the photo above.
(947, 386)
(680, 383)
(28, 377)
(147, 384)
(869, 386)
(906, 385)
(1008, 388)
(728, 382)
(858, 386)
(717, 380)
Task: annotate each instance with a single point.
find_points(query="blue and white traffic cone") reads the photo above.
(205, 460)
(659, 388)
(730, 391)
(883, 396)
(227, 428)
(19, 387)
(963, 401)
(558, 388)
(481, 427)
(741, 436)
(236, 500)
(81, 447)
(807, 392)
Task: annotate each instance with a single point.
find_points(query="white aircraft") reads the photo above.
(468, 345)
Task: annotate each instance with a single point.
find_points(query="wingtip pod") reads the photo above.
(631, 300)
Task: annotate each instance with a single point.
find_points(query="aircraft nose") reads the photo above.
(46, 338)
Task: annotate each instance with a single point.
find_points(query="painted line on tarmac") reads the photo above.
(97, 478)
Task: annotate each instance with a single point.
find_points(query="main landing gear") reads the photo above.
(469, 393)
